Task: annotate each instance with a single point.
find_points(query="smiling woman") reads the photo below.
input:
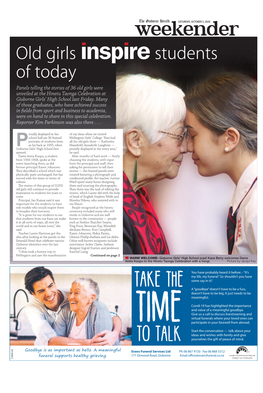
(81, 296)
(151, 114)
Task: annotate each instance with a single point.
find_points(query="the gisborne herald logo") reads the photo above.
(181, 29)
(114, 53)
(241, 349)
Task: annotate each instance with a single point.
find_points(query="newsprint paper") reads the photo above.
(181, 298)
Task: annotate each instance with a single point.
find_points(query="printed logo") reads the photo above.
(242, 353)
(241, 349)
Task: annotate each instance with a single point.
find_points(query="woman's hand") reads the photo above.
(105, 338)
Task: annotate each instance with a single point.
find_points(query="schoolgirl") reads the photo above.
(222, 122)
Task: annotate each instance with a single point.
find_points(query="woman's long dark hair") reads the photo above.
(227, 100)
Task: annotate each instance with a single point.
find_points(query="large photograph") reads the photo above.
(185, 112)
(190, 120)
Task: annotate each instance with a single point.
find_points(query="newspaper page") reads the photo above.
(118, 226)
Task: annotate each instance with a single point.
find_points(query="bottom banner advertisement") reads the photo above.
(167, 313)
(134, 353)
